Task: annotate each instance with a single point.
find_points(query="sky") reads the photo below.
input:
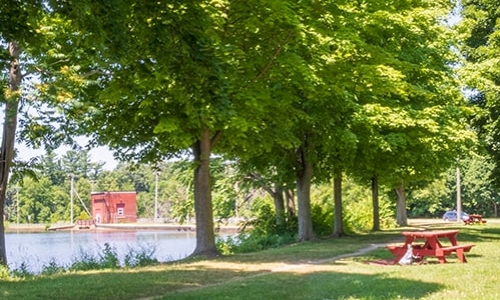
(96, 155)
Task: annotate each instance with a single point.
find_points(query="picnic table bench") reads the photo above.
(430, 245)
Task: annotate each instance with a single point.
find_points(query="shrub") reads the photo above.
(84, 262)
(4, 272)
(23, 271)
(140, 258)
(53, 268)
(261, 232)
(322, 219)
(109, 258)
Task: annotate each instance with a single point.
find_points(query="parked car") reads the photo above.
(451, 215)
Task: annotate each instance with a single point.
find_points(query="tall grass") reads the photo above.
(107, 259)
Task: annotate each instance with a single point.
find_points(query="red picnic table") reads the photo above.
(431, 245)
(474, 219)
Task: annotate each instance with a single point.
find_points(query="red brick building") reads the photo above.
(114, 207)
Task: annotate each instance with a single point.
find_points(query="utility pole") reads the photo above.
(156, 197)
(71, 197)
(17, 204)
(459, 197)
(92, 182)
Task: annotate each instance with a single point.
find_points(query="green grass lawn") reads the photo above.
(303, 271)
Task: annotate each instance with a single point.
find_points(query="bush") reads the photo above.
(85, 262)
(261, 232)
(322, 219)
(4, 272)
(22, 271)
(109, 259)
(140, 258)
(52, 268)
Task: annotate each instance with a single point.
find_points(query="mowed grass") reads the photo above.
(303, 271)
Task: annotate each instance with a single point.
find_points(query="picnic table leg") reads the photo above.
(461, 255)
(441, 259)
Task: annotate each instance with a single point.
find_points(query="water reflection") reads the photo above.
(64, 247)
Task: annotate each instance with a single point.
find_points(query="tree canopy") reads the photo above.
(480, 73)
(300, 92)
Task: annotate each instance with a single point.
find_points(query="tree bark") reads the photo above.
(8, 138)
(290, 203)
(375, 203)
(276, 193)
(205, 235)
(401, 216)
(304, 178)
(338, 226)
(279, 205)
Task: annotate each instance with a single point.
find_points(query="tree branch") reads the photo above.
(215, 138)
(270, 62)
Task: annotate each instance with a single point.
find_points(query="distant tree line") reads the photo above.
(44, 195)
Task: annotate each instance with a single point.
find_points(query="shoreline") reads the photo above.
(36, 228)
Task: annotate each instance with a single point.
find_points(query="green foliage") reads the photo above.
(480, 72)
(357, 208)
(140, 257)
(434, 198)
(4, 273)
(322, 219)
(224, 194)
(22, 271)
(261, 231)
(264, 221)
(52, 268)
(478, 191)
(85, 262)
(107, 259)
(364, 87)
(246, 243)
(410, 121)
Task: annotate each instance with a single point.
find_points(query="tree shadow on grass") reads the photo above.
(117, 284)
(479, 233)
(316, 285)
(205, 282)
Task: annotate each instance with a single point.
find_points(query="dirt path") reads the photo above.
(417, 224)
(280, 268)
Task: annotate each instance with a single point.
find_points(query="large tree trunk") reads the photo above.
(401, 216)
(205, 235)
(375, 203)
(8, 138)
(304, 178)
(338, 225)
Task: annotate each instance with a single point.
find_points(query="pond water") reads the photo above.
(35, 250)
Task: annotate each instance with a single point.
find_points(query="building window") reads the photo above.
(121, 211)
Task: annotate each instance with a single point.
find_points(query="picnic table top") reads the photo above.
(431, 233)
(475, 215)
